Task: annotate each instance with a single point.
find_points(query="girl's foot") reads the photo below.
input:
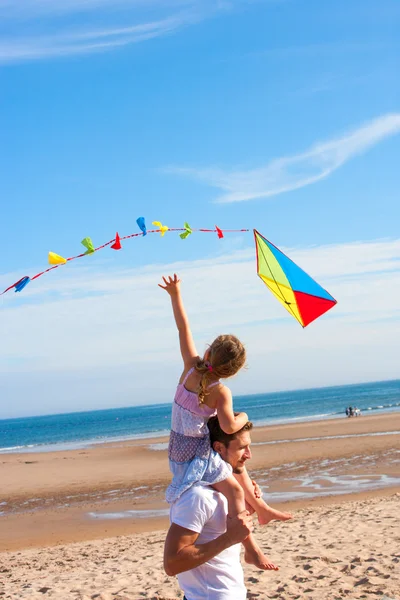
(268, 514)
(254, 556)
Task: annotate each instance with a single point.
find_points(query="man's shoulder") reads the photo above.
(199, 499)
(195, 507)
(198, 494)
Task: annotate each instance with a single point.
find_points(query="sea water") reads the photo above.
(77, 430)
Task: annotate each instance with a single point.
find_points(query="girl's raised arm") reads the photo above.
(188, 349)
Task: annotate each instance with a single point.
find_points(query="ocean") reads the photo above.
(78, 430)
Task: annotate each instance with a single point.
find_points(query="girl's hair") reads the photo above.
(226, 356)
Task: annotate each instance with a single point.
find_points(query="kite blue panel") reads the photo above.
(299, 280)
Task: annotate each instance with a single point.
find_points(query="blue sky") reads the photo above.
(280, 115)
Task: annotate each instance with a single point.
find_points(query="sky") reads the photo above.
(278, 115)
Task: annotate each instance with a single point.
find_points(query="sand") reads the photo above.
(337, 546)
(349, 550)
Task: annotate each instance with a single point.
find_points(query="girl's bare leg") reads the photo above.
(264, 512)
(234, 494)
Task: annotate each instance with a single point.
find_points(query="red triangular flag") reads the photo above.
(219, 232)
(117, 244)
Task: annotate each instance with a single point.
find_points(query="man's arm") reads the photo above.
(181, 553)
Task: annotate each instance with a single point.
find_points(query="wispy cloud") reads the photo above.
(94, 336)
(89, 41)
(38, 29)
(31, 9)
(293, 172)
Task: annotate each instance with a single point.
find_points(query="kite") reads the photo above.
(302, 297)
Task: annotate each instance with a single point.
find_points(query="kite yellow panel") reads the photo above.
(269, 266)
(285, 296)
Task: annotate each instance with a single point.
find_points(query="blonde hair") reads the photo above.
(226, 356)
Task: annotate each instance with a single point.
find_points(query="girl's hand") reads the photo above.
(172, 285)
(257, 490)
(249, 508)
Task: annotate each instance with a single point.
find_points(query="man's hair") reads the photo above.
(218, 435)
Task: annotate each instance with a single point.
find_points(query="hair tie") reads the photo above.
(209, 367)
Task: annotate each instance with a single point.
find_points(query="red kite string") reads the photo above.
(21, 283)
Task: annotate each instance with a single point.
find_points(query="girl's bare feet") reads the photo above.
(254, 556)
(268, 514)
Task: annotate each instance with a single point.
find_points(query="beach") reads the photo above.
(90, 523)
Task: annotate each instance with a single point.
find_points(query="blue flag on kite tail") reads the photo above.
(142, 225)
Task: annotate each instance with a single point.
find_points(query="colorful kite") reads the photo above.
(302, 297)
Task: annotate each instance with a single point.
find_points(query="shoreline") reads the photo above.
(157, 436)
(60, 497)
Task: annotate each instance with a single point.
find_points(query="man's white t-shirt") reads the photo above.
(204, 511)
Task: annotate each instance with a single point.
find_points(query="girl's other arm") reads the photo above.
(230, 423)
(188, 349)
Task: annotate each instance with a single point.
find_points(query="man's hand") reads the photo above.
(172, 285)
(238, 528)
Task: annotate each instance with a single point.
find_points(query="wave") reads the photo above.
(283, 420)
(382, 406)
(327, 437)
(79, 444)
(14, 448)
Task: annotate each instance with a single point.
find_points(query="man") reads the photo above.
(202, 546)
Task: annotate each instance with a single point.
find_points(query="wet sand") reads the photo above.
(70, 496)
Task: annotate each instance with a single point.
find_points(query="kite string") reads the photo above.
(126, 237)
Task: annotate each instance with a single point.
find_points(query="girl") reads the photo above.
(200, 395)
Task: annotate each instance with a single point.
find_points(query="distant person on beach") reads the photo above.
(353, 411)
(199, 396)
(203, 545)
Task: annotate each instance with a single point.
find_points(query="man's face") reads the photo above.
(237, 452)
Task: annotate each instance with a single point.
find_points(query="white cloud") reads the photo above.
(293, 172)
(90, 337)
(39, 30)
(88, 41)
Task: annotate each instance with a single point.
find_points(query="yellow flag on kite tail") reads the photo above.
(302, 297)
(162, 228)
(56, 259)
